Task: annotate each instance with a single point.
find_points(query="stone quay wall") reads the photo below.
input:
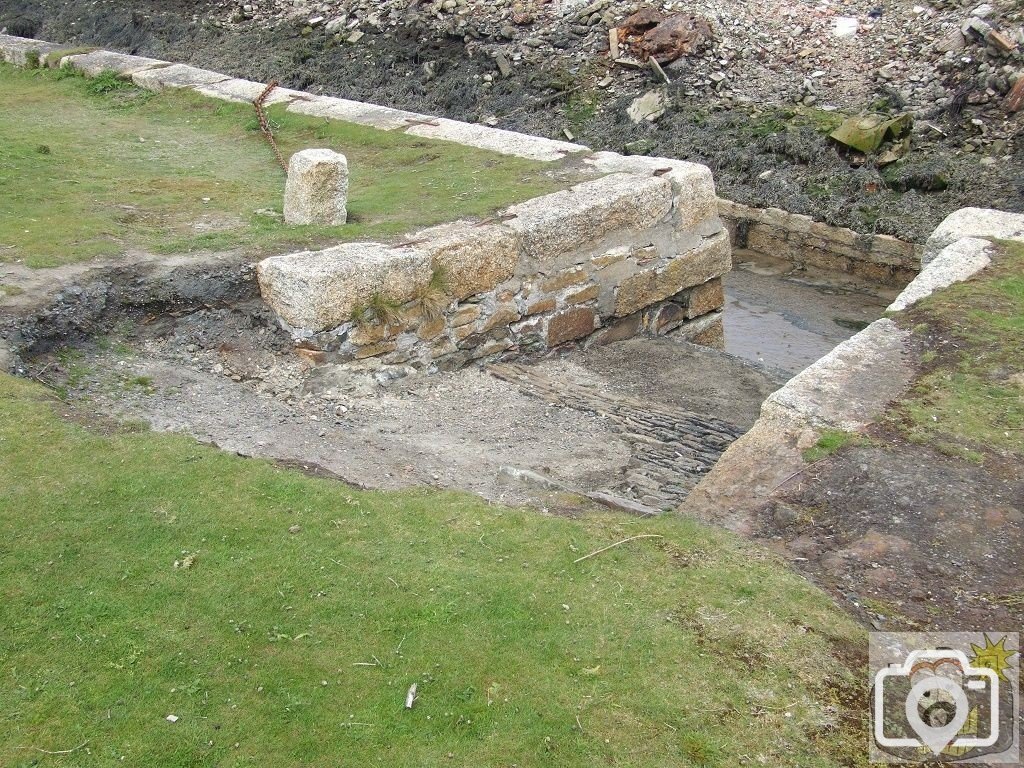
(629, 253)
(804, 242)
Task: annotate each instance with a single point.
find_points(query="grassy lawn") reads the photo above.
(969, 399)
(98, 168)
(282, 618)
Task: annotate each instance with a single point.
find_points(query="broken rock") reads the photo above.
(676, 37)
(647, 108)
(1015, 98)
(665, 38)
(865, 133)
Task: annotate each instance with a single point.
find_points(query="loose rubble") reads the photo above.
(738, 51)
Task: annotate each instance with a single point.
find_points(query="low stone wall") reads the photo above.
(804, 242)
(639, 252)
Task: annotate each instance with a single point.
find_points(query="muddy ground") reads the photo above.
(761, 154)
(186, 347)
(909, 537)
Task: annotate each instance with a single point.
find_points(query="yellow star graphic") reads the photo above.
(994, 656)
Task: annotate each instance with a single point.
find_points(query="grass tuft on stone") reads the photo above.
(830, 441)
(301, 611)
(175, 172)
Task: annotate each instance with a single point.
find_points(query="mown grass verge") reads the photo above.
(99, 168)
(282, 618)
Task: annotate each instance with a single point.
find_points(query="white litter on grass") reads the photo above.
(845, 26)
(172, 718)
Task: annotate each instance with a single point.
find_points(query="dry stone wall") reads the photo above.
(801, 240)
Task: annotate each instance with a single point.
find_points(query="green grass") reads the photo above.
(301, 611)
(125, 169)
(969, 400)
(831, 440)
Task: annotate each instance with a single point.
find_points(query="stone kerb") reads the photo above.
(156, 75)
(973, 222)
(93, 63)
(494, 139)
(316, 291)
(247, 91)
(16, 50)
(176, 76)
(693, 187)
(561, 222)
(360, 113)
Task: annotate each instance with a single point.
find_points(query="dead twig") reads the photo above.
(261, 115)
(59, 751)
(542, 102)
(797, 474)
(410, 697)
(618, 543)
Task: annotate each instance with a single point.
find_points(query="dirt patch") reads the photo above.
(910, 538)
(228, 377)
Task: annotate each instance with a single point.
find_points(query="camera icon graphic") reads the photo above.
(939, 691)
